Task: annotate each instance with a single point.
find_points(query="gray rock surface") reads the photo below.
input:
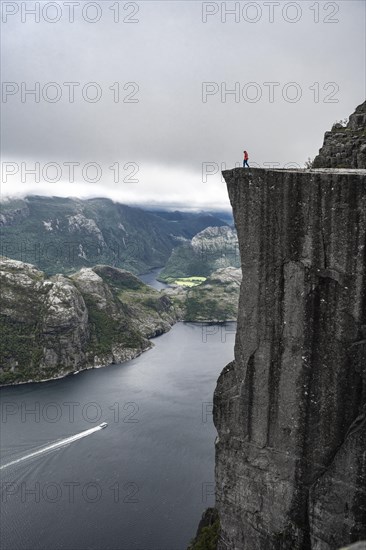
(218, 246)
(290, 409)
(345, 146)
(57, 325)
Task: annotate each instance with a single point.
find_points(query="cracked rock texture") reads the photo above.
(290, 410)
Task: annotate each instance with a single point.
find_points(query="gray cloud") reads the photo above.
(170, 131)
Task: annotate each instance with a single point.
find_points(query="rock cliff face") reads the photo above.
(53, 326)
(290, 410)
(345, 146)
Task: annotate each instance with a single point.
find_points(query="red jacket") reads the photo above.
(245, 155)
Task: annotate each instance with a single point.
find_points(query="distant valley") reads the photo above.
(70, 295)
(61, 235)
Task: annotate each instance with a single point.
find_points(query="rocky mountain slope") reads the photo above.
(97, 316)
(209, 250)
(215, 300)
(345, 146)
(61, 235)
(56, 325)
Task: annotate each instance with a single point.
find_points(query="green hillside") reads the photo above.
(61, 235)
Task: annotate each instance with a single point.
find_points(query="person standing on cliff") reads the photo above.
(245, 161)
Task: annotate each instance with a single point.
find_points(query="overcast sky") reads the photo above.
(294, 68)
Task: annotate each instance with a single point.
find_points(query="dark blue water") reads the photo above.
(142, 482)
(150, 279)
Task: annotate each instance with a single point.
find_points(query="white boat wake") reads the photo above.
(56, 445)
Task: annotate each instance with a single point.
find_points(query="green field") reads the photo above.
(189, 281)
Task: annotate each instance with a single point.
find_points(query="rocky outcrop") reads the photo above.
(217, 245)
(64, 331)
(53, 326)
(209, 250)
(214, 300)
(290, 410)
(13, 212)
(345, 146)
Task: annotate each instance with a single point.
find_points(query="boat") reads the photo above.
(103, 425)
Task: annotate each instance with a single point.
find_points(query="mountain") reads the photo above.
(214, 300)
(223, 215)
(61, 235)
(56, 325)
(209, 250)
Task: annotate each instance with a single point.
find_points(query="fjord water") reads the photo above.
(150, 279)
(139, 484)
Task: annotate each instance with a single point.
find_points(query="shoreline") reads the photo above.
(74, 373)
(62, 375)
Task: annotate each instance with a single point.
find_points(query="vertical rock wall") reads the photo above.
(291, 409)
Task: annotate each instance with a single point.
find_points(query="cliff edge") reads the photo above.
(290, 410)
